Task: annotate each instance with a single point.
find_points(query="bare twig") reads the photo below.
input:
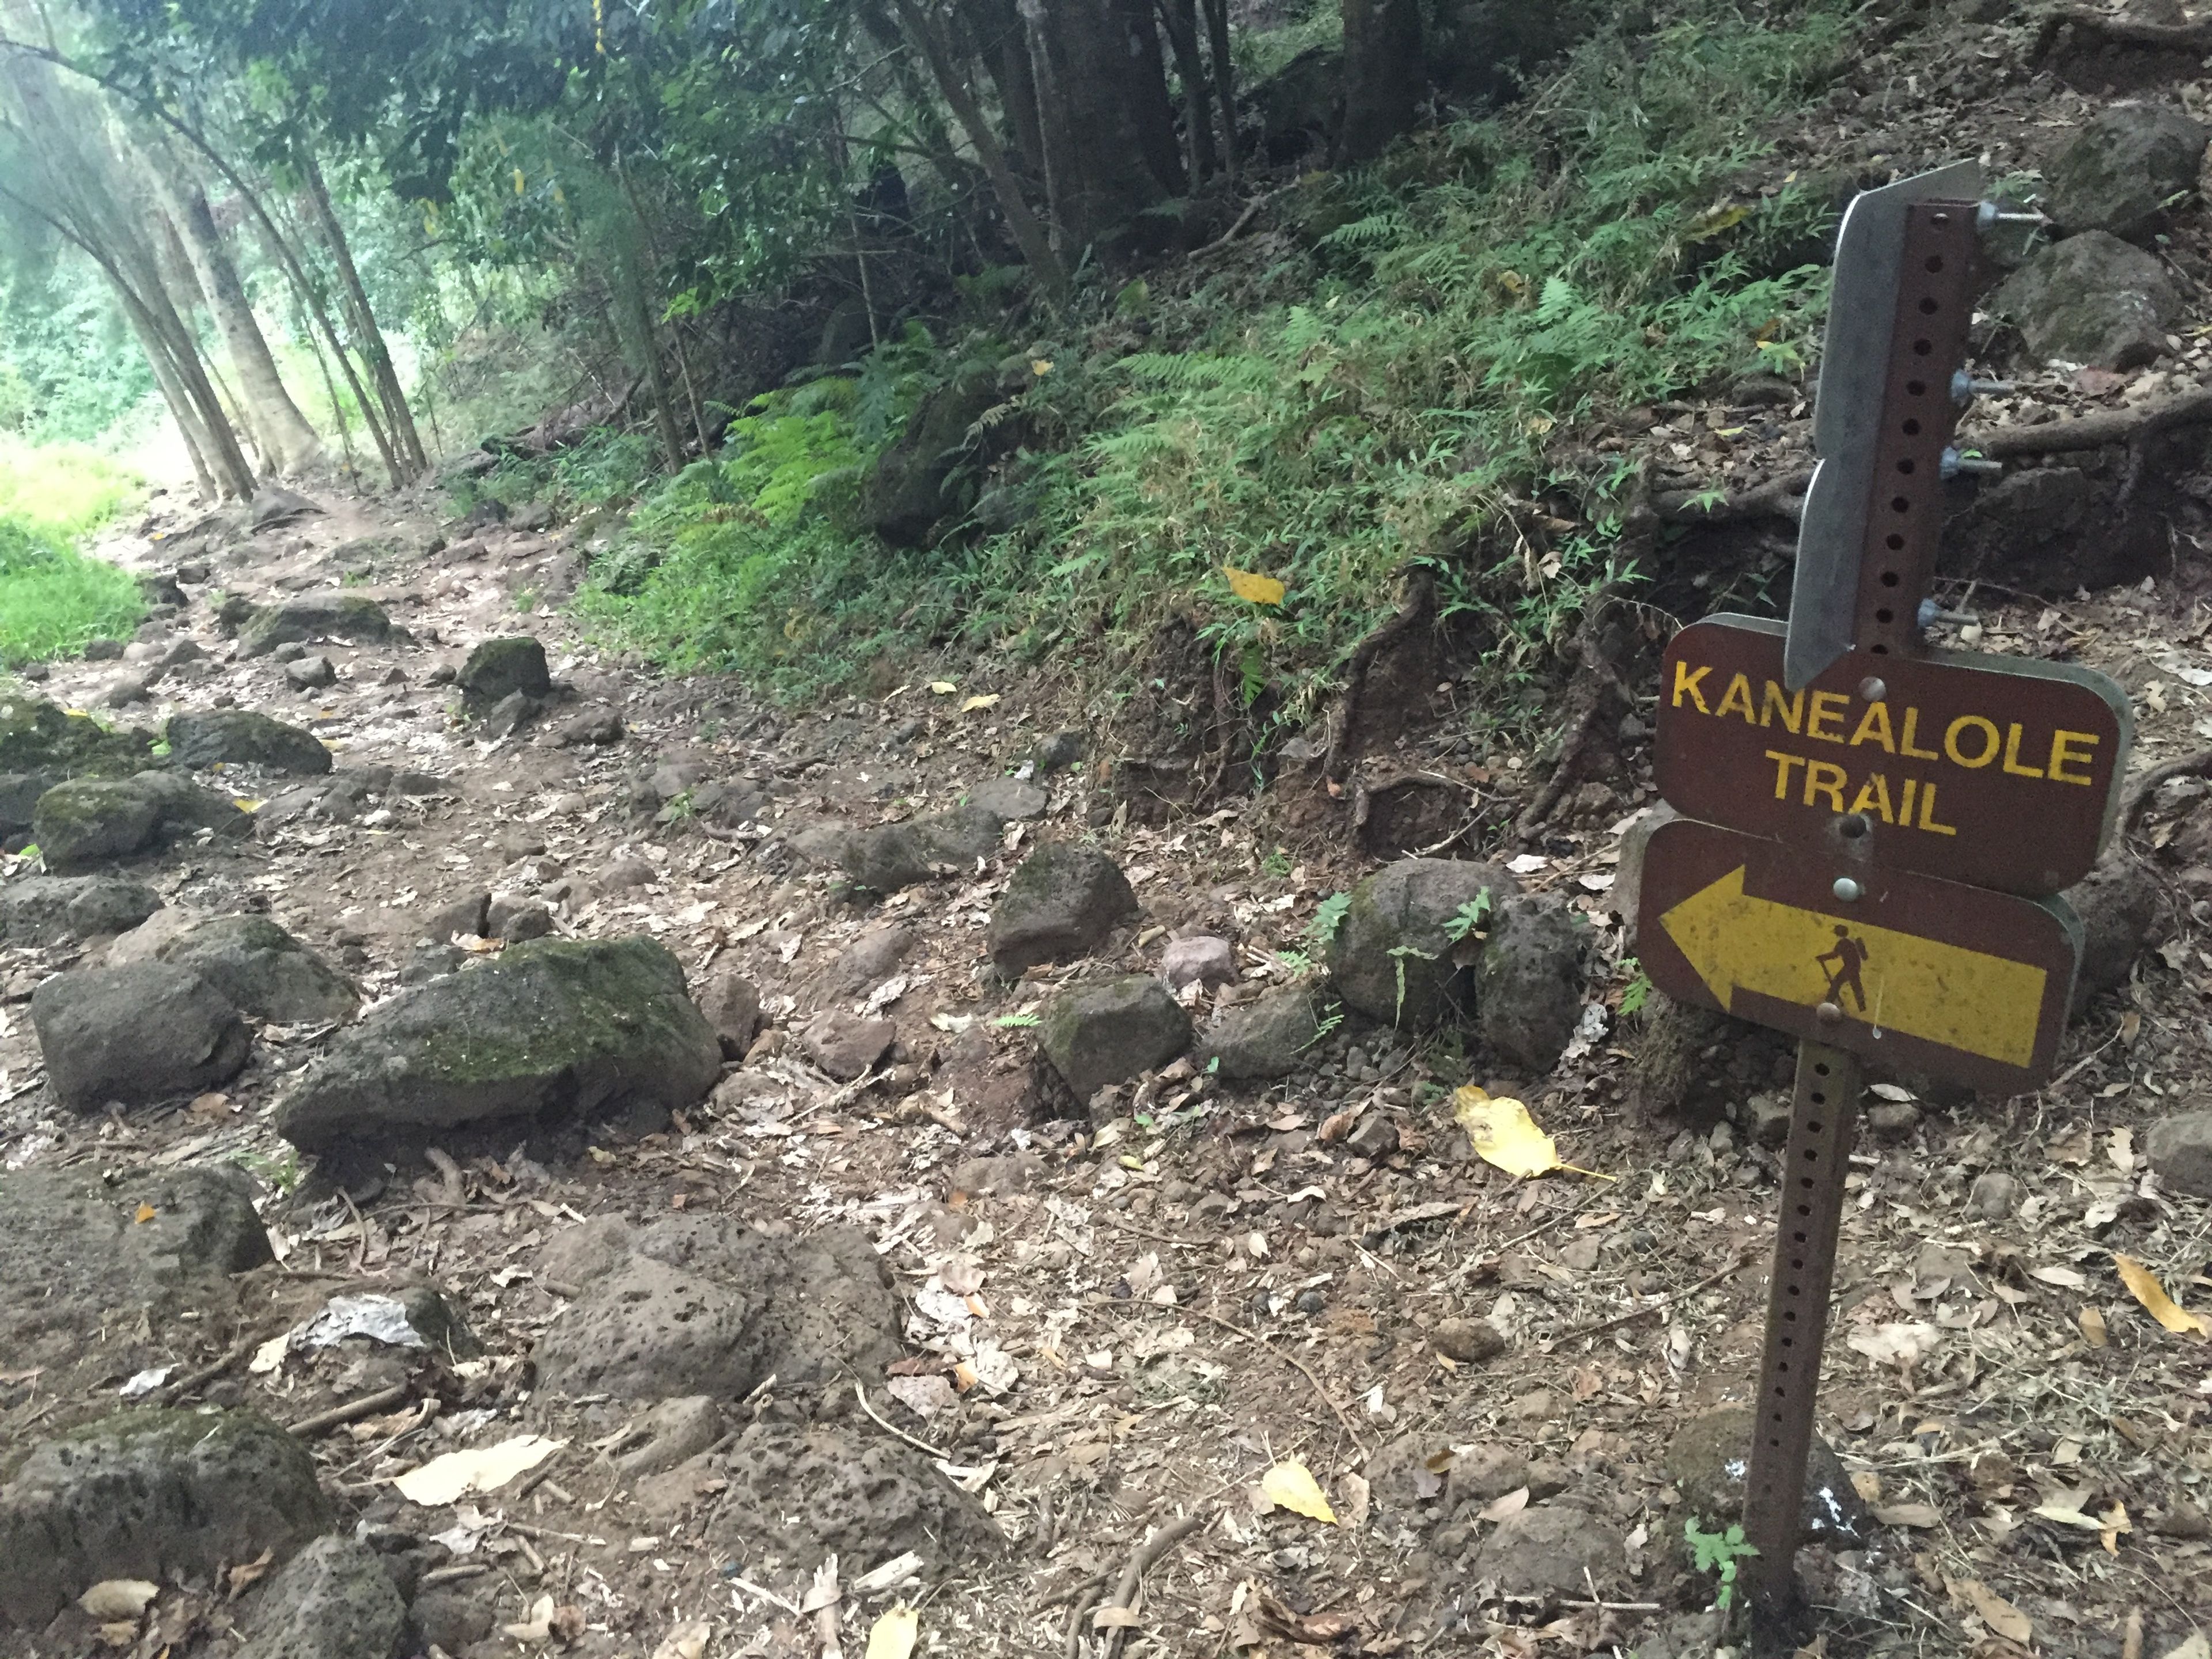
(1343, 1418)
(367, 1405)
(2199, 765)
(193, 1381)
(1243, 219)
(860, 1393)
(1735, 1263)
(1141, 1561)
(1779, 497)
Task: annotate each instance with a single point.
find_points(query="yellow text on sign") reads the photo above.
(1922, 988)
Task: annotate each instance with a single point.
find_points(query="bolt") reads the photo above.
(1953, 464)
(1847, 889)
(1872, 689)
(1828, 1013)
(1964, 387)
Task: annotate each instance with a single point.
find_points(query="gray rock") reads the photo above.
(2180, 1150)
(75, 1259)
(469, 915)
(1892, 1120)
(626, 871)
(905, 493)
(867, 961)
(1011, 800)
(1061, 904)
(1709, 1457)
(428, 962)
(333, 1600)
(1271, 1037)
(572, 1027)
(126, 688)
(87, 820)
(508, 716)
(1553, 1552)
(147, 1032)
(895, 855)
(706, 1305)
(844, 1044)
(2092, 299)
(843, 1487)
(2118, 904)
(1995, 1195)
(263, 970)
(497, 669)
(240, 737)
(1766, 1120)
(515, 920)
(2121, 167)
(103, 650)
(313, 617)
(146, 1494)
(47, 910)
(732, 1006)
(1059, 751)
(1470, 1342)
(1391, 958)
(449, 1617)
(595, 727)
(311, 673)
(1528, 983)
(680, 1428)
(19, 796)
(1111, 1031)
(1202, 960)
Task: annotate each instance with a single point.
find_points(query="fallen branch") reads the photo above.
(2112, 426)
(2199, 765)
(860, 1393)
(1779, 497)
(1243, 219)
(1307, 1371)
(367, 1405)
(192, 1382)
(1735, 1264)
(2195, 38)
(1141, 1561)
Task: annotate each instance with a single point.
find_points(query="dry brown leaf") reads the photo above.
(2093, 1327)
(1909, 1515)
(146, 1212)
(113, 1600)
(1999, 1614)
(1512, 1504)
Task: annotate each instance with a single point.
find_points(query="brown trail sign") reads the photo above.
(1873, 831)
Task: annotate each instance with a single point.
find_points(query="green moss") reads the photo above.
(38, 736)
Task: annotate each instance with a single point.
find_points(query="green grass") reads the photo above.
(53, 597)
(1377, 399)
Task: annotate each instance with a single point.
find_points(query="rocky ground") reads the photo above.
(501, 1152)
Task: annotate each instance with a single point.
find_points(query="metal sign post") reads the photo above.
(1873, 831)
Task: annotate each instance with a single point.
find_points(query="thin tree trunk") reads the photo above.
(331, 387)
(631, 295)
(181, 412)
(1002, 42)
(398, 418)
(289, 444)
(1382, 74)
(1224, 82)
(1179, 18)
(325, 333)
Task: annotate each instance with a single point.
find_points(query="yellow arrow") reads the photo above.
(1985, 1005)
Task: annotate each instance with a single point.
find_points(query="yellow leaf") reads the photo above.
(1506, 1136)
(1513, 282)
(1258, 589)
(146, 1212)
(1040, 365)
(245, 803)
(2143, 1285)
(2092, 1327)
(518, 181)
(892, 1636)
(990, 699)
(942, 688)
(446, 1478)
(1999, 1614)
(2114, 1523)
(1291, 1485)
(1714, 220)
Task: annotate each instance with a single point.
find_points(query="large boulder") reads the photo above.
(47, 910)
(149, 1031)
(1299, 104)
(241, 737)
(1528, 980)
(147, 1494)
(87, 820)
(1395, 958)
(263, 970)
(1061, 905)
(2122, 168)
(333, 1600)
(79, 1254)
(497, 669)
(706, 1305)
(904, 495)
(1110, 1030)
(2092, 299)
(313, 617)
(895, 855)
(1271, 1037)
(567, 1027)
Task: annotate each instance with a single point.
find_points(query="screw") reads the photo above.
(1828, 1013)
(1872, 689)
(1953, 464)
(1965, 388)
(1847, 889)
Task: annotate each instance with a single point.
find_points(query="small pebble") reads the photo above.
(1995, 1194)
(1469, 1341)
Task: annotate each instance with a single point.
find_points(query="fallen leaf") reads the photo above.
(246, 805)
(443, 1479)
(1503, 1134)
(246, 1574)
(2194, 1648)
(210, 1105)
(2065, 1277)
(2143, 1285)
(1895, 1345)
(1909, 1515)
(893, 1636)
(1290, 1485)
(2092, 1327)
(2114, 1522)
(1999, 1614)
(146, 1212)
(112, 1599)
(1250, 586)
(1357, 1496)
(2065, 1514)
(686, 1641)
(539, 1626)
(1512, 1504)
(942, 688)
(989, 699)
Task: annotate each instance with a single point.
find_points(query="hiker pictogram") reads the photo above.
(1850, 955)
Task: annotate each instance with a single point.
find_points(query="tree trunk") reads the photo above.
(398, 418)
(181, 412)
(1101, 121)
(1029, 235)
(288, 443)
(630, 295)
(1224, 82)
(1179, 19)
(1146, 70)
(1002, 42)
(1383, 75)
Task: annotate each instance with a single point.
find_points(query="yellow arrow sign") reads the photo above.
(1985, 1005)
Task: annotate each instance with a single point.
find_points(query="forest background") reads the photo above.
(849, 329)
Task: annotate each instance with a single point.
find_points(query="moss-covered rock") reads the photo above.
(499, 668)
(905, 495)
(1107, 1032)
(38, 736)
(242, 736)
(553, 1028)
(47, 910)
(146, 1494)
(1062, 904)
(1394, 957)
(263, 970)
(87, 820)
(313, 617)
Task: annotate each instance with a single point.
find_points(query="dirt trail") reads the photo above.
(1095, 1330)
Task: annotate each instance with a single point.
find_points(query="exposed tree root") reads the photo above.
(2112, 426)
(1779, 497)
(1417, 610)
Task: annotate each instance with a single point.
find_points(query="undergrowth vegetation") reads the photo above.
(52, 597)
(1370, 398)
